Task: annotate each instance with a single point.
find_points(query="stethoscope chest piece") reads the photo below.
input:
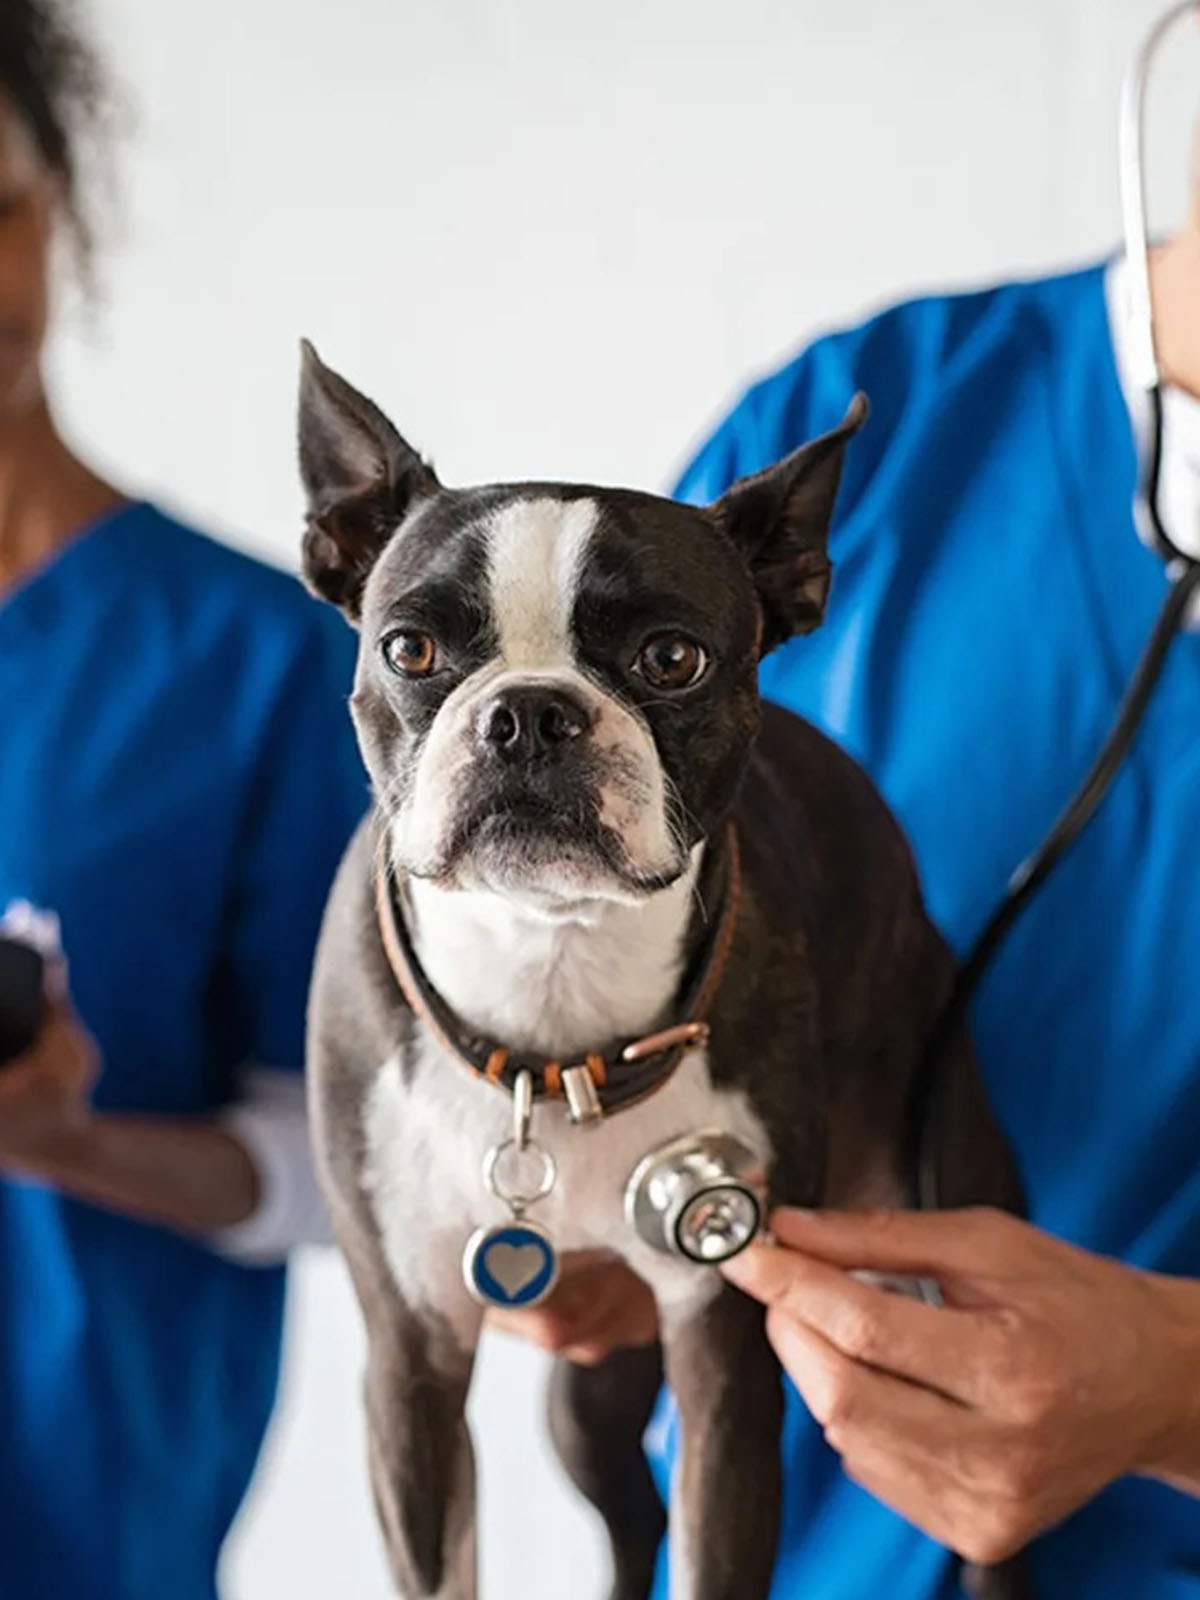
(700, 1197)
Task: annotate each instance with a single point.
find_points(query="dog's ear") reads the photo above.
(360, 479)
(779, 519)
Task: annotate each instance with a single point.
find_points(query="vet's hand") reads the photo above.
(598, 1306)
(1049, 1373)
(44, 1093)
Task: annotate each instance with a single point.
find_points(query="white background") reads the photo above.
(552, 237)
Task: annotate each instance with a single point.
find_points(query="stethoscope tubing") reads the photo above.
(1184, 576)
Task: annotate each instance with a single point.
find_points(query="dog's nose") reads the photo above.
(531, 720)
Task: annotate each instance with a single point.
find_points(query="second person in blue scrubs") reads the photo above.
(177, 782)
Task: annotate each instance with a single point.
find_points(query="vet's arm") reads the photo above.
(200, 1175)
(1049, 1372)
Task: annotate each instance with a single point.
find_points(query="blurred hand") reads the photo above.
(599, 1305)
(1048, 1373)
(44, 1093)
(188, 1172)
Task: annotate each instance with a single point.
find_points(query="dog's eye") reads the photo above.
(671, 661)
(410, 655)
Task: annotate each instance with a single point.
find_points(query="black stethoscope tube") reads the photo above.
(1036, 868)
(1185, 578)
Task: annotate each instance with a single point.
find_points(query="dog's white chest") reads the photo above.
(426, 1141)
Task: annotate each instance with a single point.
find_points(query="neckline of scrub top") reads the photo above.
(19, 605)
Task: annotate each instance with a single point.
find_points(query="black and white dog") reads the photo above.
(589, 831)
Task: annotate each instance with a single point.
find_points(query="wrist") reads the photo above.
(54, 1154)
(1173, 1448)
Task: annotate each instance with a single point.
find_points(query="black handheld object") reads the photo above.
(22, 998)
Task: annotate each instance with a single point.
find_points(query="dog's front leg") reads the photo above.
(725, 1496)
(422, 1465)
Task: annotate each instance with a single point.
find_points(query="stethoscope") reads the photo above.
(1184, 574)
(700, 1197)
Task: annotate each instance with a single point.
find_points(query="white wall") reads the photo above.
(551, 236)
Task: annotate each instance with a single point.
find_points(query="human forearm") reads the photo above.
(1175, 1458)
(187, 1173)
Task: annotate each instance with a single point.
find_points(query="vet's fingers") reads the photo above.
(76, 1059)
(852, 1401)
(543, 1326)
(59, 1068)
(618, 1321)
(596, 1308)
(63, 1053)
(585, 1343)
(590, 1354)
(919, 1499)
(764, 1272)
(565, 1317)
(896, 1440)
(953, 1352)
(624, 1330)
(969, 1243)
(574, 1262)
(950, 1495)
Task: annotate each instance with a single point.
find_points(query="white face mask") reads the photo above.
(1178, 499)
(1179, 480)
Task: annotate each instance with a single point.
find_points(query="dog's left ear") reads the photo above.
(360, 477)
(779, 519)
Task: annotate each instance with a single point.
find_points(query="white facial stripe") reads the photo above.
(536, 550)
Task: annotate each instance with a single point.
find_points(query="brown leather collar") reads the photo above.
(601, 1082)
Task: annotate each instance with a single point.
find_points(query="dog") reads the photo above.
(588, 829)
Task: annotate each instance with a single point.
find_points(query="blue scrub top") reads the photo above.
(990, 599)
(178, 779)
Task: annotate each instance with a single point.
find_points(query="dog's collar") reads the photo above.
(601, 1082)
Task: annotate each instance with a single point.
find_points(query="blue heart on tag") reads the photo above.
(514, 1265)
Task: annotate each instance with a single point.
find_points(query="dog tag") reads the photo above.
(514, 1264)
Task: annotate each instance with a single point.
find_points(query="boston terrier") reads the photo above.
(606, 901)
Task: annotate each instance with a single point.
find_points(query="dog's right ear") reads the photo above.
(360, 478)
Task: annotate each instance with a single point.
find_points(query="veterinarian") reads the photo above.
(991, 598)
(177, 782)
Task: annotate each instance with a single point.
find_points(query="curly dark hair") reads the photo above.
(51, 77)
